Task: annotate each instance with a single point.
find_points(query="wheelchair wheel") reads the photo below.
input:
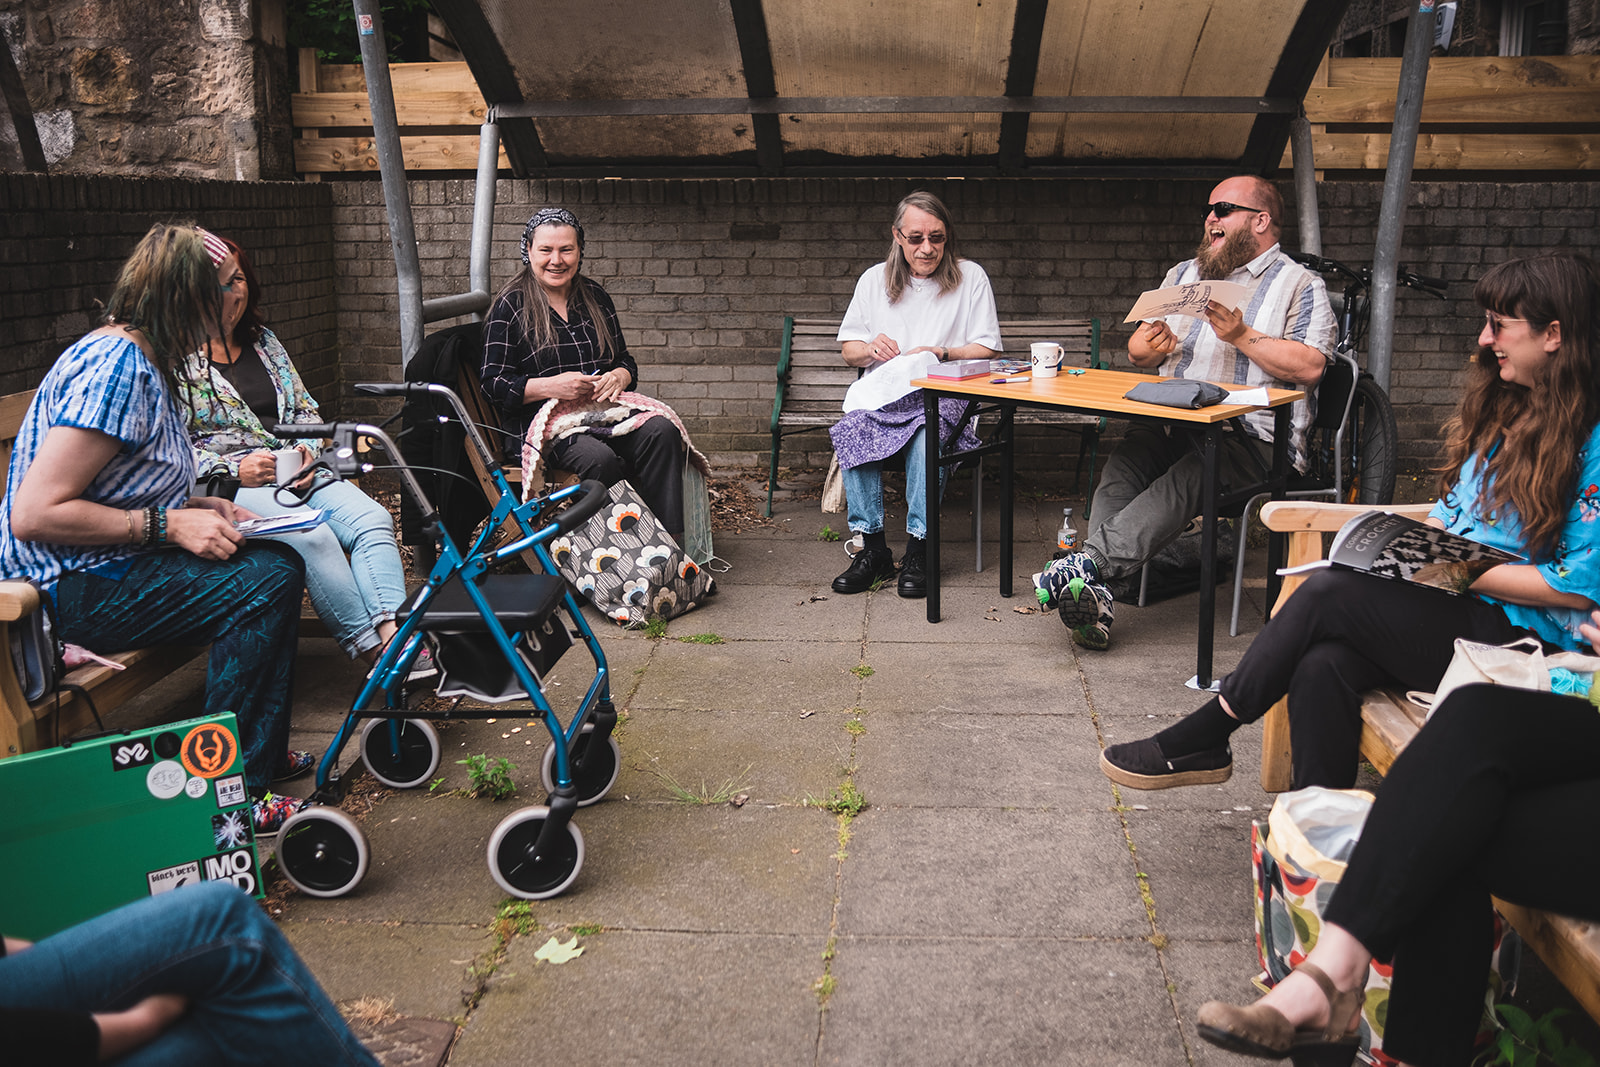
(322, 851)
(523, 873)
(595, 767)
(1371, 446)
(417, 757)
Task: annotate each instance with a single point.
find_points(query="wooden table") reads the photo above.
(1101, 392)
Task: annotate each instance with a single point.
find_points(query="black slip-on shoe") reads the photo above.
(870, 567)
(1141, 765)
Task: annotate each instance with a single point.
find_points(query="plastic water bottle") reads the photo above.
(1067, 536)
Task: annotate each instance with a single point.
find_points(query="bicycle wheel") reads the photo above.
(1371, 443)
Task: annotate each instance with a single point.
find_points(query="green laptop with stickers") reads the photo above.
(99, 823)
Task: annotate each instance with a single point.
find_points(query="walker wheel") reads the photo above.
(522, 872)
(418, 751)
(594, 767)
(322, 851)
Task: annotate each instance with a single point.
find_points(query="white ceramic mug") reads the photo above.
(290, 460)
(1047, 357)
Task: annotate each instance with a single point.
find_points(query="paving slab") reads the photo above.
(956, 871)
(1012, 1000)
(652, 997)
(424, 964)
(752, 676)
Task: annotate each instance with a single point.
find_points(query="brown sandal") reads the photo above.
(1262, 1030)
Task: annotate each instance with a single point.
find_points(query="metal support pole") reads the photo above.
(483, 206)
(1396, 182)
(1305, 186)
(392, 167)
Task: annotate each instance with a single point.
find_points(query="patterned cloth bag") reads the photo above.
(1297, 859)
(628, 566)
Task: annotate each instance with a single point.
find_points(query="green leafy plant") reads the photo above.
(330, 27)
(1528, 1042)
(586, 929)
(655, 629)
(514, 919)
(844, 800)
(828, 533)
(704, 795)
(703, 639)
(491, 776)
(862, 671)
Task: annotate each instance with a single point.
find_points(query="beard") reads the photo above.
(1238, 247)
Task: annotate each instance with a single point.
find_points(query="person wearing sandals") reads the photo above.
(1499, 794)
(98, 511)
(235, 386)
(1521, 473)
(922, 305)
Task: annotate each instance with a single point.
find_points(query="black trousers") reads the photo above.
(650, 457)
(1499, 794)
(1341, 634)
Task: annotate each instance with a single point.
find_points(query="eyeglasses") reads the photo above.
(1494, 320)
(915, 239)
(1223, 209)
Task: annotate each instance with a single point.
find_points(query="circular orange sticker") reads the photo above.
(208, 750)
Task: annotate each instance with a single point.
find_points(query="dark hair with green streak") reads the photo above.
(168, 291)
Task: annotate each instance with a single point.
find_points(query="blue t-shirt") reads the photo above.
(1574, 566)
(104, 383)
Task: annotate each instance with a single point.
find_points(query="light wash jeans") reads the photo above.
(252, 1000)
(863, 491)
(351, 595)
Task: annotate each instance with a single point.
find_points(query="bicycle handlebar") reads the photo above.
(1363, 277)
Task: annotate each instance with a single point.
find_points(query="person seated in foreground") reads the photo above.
(922, 305)
(1151, 487)
(1498, 795)
(187, 978)
(98, 511)
(1522, 462)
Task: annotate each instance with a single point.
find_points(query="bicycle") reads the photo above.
(1357, 456)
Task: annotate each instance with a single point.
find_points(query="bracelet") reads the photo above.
(161, 526)
(155, 527)
(132, 537)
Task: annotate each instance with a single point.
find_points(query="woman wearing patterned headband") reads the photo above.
(97, 509)
(555, 363)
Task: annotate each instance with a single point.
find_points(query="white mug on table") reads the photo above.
(1047, 357)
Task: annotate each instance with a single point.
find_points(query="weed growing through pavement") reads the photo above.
(828, 533)
(491, 776)
(586, 929)
(705, 794)
(703, 639)
(862, 671)
(655, 629)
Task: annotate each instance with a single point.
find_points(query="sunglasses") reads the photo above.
(915, 239)
(1223, 209)
(1496, 321)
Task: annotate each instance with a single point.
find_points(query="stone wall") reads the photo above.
(703, 272)
(197, 89)
(64, 239)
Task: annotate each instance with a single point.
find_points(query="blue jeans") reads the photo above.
(351, 595)
(252, 1000)
(863, 491)
(246, 608)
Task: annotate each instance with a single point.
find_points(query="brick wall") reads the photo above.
(64, 240)
(704, 271)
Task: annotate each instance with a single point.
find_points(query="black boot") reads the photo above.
(870, 567)
(914, 569)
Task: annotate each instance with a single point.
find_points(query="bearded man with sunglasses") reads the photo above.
(1281, 337)
(921, 306)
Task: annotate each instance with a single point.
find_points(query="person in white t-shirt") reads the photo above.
(922, 305)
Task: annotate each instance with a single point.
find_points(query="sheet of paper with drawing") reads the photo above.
(887, 381)
(1189, 299)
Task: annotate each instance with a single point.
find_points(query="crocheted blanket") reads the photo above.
(559, 418)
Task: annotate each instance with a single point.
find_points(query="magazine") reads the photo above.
(1401, 549)
(293, 522)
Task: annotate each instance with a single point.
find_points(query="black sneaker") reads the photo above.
(914, 571)
(871, 566)
(1141, 765)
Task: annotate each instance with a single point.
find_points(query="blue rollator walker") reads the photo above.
(494, 637)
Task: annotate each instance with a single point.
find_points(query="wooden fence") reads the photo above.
(1498, 113)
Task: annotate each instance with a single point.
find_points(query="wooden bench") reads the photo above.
(1569, 947)
(27, 727)
(813, 378)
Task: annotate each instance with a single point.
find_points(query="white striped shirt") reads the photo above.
(102, 383)
(1287, 301)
